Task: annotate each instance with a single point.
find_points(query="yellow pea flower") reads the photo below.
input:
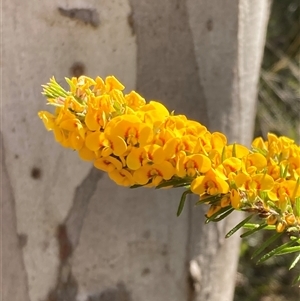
(142, 156)
(175, 145)
(134, 100)
(230, 165)
(122, 177)
(255, 162)
(288, 189)
(210, 184)
(255, 182)
(218, 141)
(154, 172)
(108, 164)
(194, 128)
(191, 165)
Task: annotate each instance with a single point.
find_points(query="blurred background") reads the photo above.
(278, 112)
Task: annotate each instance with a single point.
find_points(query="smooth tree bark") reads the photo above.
(68, 232)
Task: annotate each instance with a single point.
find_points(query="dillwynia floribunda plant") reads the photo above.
(143, 144)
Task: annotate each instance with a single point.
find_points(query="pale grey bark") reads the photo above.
(73, 234)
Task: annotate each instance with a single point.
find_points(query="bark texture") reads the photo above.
(68, 232)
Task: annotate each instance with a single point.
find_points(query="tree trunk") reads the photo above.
(69, 233)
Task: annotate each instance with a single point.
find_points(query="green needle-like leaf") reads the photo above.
(182, 202)
(254, 226)
(238, 226)
(296, 260)
(222, 213)
(289, 250)
(297, 207)
(275, 251)
(210, 199)
(266, 244)
(257, 228)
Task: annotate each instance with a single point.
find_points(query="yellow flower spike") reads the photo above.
(154, 172)
(108, 164)
(235, 199)
(48, 120)
(210, 184)
(112, 83)
(122, 177)
(212, 210)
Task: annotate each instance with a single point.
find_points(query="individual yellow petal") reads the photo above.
(240, 150)
(235, 199)
(118, 145)
(135, 158)
(218, 141)
(86, 154)
(198, 185)
(76, 141)
(257, 160)
(155, 153)
(91, 120)
(202, 163)
(48, 119)
(92, 141)
(145, 135)
(242, 180)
